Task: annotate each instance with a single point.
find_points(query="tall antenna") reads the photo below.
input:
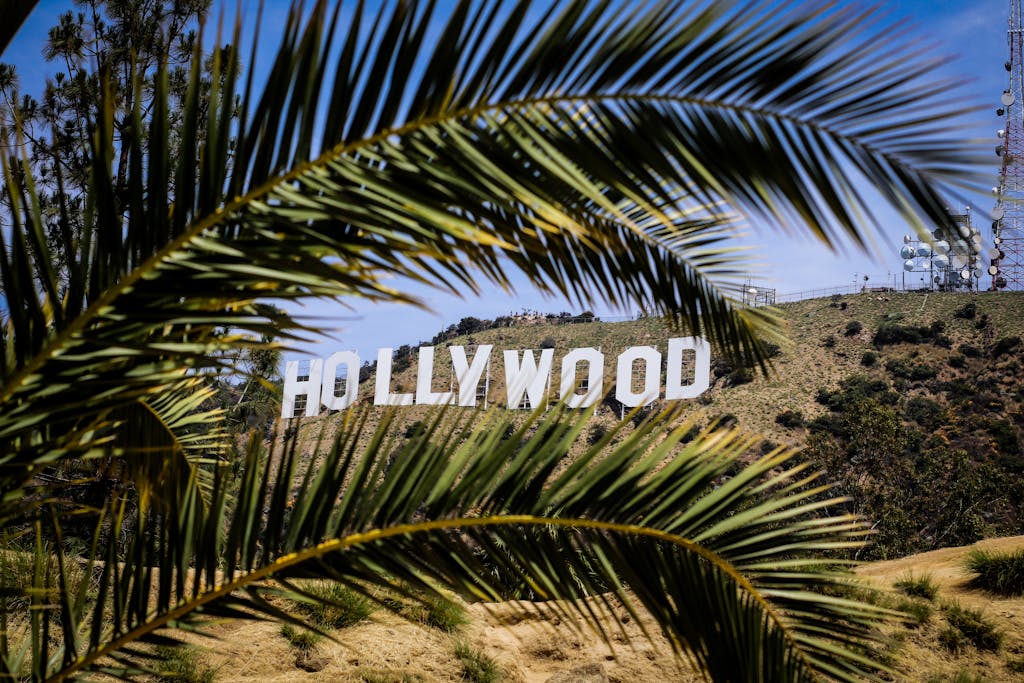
(1007, 254)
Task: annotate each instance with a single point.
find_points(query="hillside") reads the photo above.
(911, 403)
(896, 396)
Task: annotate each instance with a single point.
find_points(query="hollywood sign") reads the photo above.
(333, 382)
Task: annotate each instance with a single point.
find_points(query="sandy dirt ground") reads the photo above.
(536, 648)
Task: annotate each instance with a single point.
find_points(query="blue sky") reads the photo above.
(973, 31)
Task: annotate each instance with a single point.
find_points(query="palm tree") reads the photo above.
(601, 150)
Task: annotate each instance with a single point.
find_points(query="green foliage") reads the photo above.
(999, 573)
(925, 412)
(957, 361)
(869, 359)
(331, 605)
(182, 664)
(476, 665)
(548, 343)
(953, 640)
(853, 328)
(917, 587)
(969, 350)
(376, 676)
(443, 614)
(1004, 346)
(790, 419)
(302, 639)
(918, 612)
(892, 333)
(975, 628)
(829, 341)
(967, 311)
(900, 367)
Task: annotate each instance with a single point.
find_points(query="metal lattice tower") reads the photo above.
(1007, 264)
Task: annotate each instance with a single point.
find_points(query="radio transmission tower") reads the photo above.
(1007, 269)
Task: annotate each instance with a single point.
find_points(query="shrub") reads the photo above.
(790, 419)
(953, 640)
(969, 350)
(869, 359)
(1000, 573)
(301, 639)
(853, 328)
(739, 376)
(1004, 435)
(341, 605)
(829, 341)
(444, 614)
(547, 343)
(917, 587)
(1005, 345)
(918, 613)
(967, 311)
(477, 666)
(978, 630)
(957, 361)
(924, 411)
(597, 432)
(181, 664)
(913, 371)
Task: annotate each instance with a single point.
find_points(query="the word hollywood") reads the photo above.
(305, 392)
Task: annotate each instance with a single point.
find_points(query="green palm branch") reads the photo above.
(600, 153)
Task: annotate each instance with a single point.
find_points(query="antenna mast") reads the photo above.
(1007, 269)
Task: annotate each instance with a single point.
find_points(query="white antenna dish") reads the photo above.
(942, 247)
(924, 250)
(992, 270)
(907, 239)
(965, 231)
(941, 260)
(959, 261)
(908, 265)
(976, 238)
(997, 240)
(965, 274)
(1007, 98)
(993, 253)
(907, 251)
(997, 213)
(976, 272)
(1000, 132)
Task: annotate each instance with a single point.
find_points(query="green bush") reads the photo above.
(917, 587)
(1005, 345)
(182, 664)
(967, 311)
(969, 350)
(336, 606)
(477, 666)
(869, 359)
(301, 639)
(790, 419)
(853, 328)
(1000, 573)
(957, 361)
(829, 341)
(924, 411)
(918, 613)
(900, 367)
(974, 626)
(953, 640)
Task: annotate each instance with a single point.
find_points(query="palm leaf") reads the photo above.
(703, 558)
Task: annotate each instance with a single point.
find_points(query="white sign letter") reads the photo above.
(306, 385)
(674, 387)
(624, 376)
(328, 391)
(528, 378)
(468, 376)
(424, 376)
(595, 377)
(383, 396)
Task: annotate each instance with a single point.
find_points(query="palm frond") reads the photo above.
(648, 522)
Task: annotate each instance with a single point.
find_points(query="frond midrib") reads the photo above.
(362, 538)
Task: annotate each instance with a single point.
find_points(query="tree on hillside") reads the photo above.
(595, 150)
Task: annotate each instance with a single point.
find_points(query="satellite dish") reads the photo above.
(940, 260)
(924, 250)
(959, 261)
(1007, 98)
(907, 239)
(997, 240)
(908, 265)
(965, 231)
(937, 279)
(992, 270)
(993, 253)
(997, 213)
(1000, 132)
(965, 274)
(942, 247)
(976, 238)
(907, 251)
(976, 272)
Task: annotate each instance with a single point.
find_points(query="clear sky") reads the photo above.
(971, 31)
